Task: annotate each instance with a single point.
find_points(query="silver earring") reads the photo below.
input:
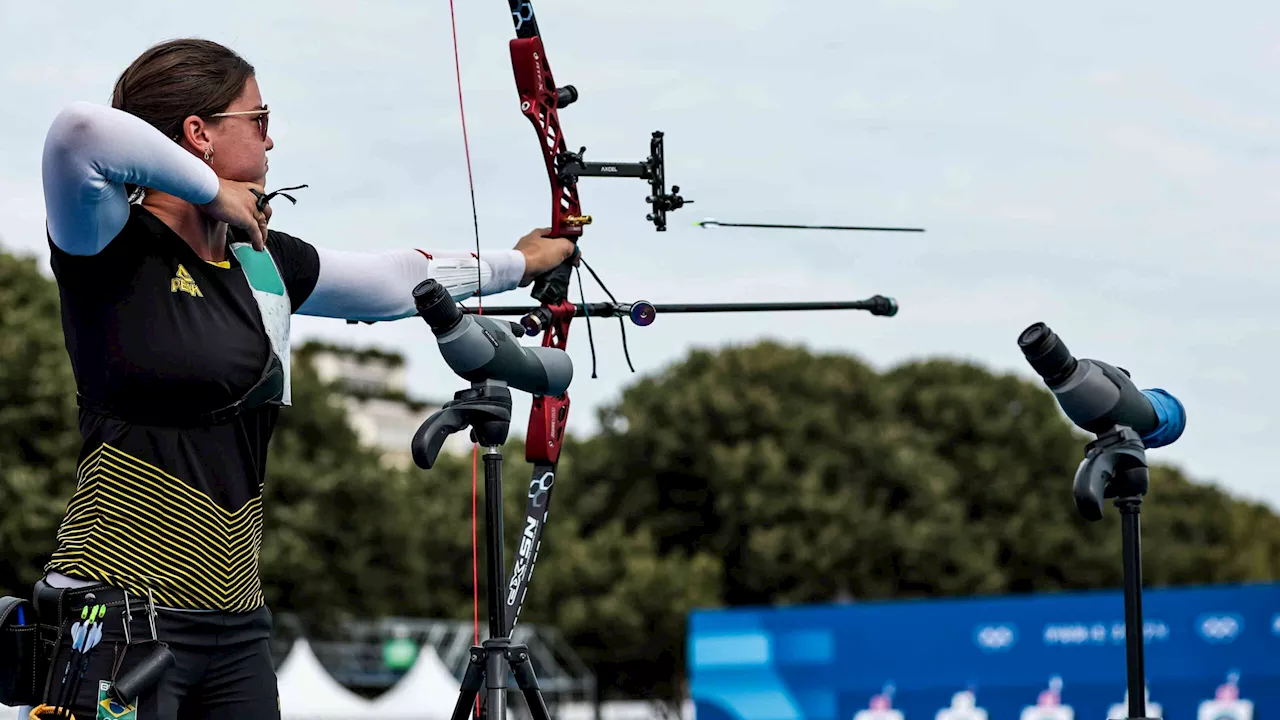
(208, 153)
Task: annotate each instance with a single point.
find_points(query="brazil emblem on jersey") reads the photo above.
(109, 709)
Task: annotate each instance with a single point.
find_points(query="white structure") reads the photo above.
(363, 372)
(308, 692)
(1049, 704)
(1226, 703)
(372, 385)
(621, 710)
(881, 708)
(964, 706)
(1154, 710)
(427, 692)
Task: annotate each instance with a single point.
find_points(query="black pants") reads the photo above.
(223, 666)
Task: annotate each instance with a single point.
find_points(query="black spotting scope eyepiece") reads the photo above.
(1098, 396)
(436, 306)
(1047, 354)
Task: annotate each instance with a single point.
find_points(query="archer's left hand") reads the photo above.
(543, 254)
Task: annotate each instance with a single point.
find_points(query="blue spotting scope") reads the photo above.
(1097, 396)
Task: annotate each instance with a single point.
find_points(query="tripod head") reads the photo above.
(485, 407)
(1114, 466)
(1102, 399)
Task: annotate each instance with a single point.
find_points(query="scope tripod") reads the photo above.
(486, 409)
(1115, 466)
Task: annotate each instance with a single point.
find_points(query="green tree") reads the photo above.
(336, 529)
(1017, 455)
(795, 469)
(815, 478)
(348, 536)
(607, 589)
(38, 436)
(1194, 533)
(351, 535)
(758, 474)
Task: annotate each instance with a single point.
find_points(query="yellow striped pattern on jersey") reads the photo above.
(134, 526)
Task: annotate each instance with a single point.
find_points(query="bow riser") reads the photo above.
(540, 101)
(549, 415)
(546, 430)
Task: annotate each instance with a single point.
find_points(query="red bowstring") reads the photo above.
(475, 449)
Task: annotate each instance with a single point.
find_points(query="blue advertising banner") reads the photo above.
(1212, 653)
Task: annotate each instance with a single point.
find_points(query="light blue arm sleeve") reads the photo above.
(90, 153)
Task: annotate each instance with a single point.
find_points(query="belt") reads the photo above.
(54, 604)
(55, 608)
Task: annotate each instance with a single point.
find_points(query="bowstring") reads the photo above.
(590, 338)
(475, 220)
(621, 325)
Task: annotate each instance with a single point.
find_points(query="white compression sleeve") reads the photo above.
(90, 152)
(379, 286)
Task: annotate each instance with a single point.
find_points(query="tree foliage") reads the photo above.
(818, 480)
(38, 435)
(761, 474)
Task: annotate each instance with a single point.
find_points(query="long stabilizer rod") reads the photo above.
(642, 312)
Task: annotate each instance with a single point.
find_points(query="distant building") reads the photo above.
(371, 383)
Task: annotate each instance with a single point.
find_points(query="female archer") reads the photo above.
(176, 299)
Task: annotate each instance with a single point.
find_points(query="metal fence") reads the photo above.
(357, 660)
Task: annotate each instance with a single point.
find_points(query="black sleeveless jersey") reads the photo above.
(151, 329)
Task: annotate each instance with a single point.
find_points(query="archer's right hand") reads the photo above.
(235, 205)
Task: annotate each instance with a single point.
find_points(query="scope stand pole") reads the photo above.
(486, 408)
(1115, 466)
(1134, 630)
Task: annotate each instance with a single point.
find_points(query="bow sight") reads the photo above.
(540, 101)
(570, 166)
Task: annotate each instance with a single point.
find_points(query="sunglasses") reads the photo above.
(261, 116)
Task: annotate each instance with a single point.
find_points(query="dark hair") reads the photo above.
(179, 78)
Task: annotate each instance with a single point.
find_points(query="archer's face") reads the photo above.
(240, 143)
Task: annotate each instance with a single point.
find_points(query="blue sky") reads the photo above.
(1107, 169)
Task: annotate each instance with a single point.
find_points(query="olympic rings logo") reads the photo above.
(995, 638)
(1220, 628)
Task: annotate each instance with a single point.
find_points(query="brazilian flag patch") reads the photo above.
(259, 269)
(109, 709)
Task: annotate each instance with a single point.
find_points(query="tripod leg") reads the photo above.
(522, 668)
(471, 683)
